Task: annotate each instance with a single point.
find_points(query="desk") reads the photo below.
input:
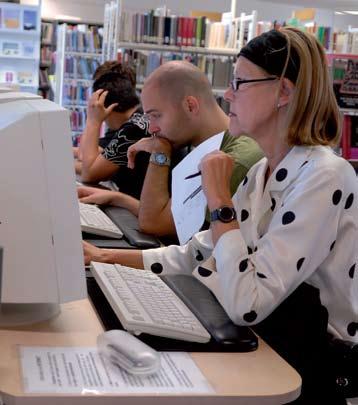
(260, 377)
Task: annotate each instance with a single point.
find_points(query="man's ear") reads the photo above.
(287, 89)
(191, 105)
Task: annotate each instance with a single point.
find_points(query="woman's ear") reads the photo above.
(286, 92)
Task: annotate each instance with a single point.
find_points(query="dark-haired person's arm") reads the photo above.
(92, 195)
(154, 216)
(94, 167)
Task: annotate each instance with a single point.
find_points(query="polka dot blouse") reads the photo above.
(301, 226)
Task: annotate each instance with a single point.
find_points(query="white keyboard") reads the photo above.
(145, 304)
(94, 220)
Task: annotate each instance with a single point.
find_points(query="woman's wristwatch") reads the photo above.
(224, 214)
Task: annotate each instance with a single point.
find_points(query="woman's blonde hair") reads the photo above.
(313, 115)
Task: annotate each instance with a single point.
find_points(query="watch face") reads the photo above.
(160, 158)
(226, 214)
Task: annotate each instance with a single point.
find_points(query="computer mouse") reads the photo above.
(125, 350)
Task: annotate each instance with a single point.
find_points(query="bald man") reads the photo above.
(178, 100)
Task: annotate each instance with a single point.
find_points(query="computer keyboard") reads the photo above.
(95, 221)
(145, 304)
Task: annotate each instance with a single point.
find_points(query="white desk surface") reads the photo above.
(259, 377)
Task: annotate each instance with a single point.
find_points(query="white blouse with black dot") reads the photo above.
(302, 226)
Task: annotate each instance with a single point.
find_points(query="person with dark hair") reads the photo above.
(114, 66)
(285, 246)
(115, 102)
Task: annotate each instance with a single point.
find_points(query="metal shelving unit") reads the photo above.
(20, 45)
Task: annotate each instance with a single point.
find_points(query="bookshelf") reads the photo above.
(78, 54)
(20, 45)
(344, 70)
(146, 40)
(47, 59)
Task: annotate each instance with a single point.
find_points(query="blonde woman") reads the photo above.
(286, 245)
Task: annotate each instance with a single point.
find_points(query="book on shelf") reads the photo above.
(25, 78)
(29, 20)
(44, 80)
(77, 67)
(47, 32)
(349, 141)
(345, 81)
(10, 48)
(354, 137)
(46, 55)
(78, 119)
(11, 18)
(323, 35)
(345, 42)
(75, 94)
(28, 49)
(7, 76)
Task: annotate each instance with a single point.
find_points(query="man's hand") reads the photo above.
(96, 111)
(216, 171)
(91, 253)
(153, 144)
(92, 195)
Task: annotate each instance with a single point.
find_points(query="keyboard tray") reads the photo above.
(228, 337)
(128, 223)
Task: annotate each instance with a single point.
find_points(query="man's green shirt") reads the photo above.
(245, 152)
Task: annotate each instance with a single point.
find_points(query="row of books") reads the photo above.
(76, 137)
(174, 30)
(349, 142)
(47, 33)
(83, 38)
(78, 119)
(44, 80)
(75, 94)
(16, 18)
(46, 55)
(80, 67)
(218, 70)
(345, 42)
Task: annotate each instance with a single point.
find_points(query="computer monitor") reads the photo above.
(40, 230)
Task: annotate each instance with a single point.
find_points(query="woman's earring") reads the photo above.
(278, 106)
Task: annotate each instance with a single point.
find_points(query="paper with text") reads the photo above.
(82, 370)
(188, 200)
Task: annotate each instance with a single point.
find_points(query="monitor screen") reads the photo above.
(40, 231)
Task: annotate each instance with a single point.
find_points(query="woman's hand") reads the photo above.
(216, 171)
(92, 253)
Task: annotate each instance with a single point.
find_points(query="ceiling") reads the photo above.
(338, 5)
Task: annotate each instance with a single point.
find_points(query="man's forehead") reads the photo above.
(151, 95)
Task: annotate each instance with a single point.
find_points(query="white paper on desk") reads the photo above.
(189, 213)
(81, 370)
